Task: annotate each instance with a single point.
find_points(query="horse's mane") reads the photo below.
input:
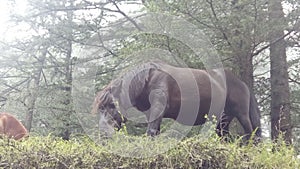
(141, 70)
(137, 78)
(101, 98)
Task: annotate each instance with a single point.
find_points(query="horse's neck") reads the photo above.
(132, 86)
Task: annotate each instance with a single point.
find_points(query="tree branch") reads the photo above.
(275, 41)
(294, 81)
(126, 16)
(210, 2)
(13, 87)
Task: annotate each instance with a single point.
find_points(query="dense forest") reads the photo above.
(56, 54)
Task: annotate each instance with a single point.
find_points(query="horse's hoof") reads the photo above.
(152, 132)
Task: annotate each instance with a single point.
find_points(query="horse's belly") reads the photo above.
(189, 122)
(188, 117)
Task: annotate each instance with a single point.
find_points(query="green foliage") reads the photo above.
(194, 152)
(178, 49)
(229, 24)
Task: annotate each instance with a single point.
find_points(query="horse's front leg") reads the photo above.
(153, 128)
(154, 118)
(158, 101)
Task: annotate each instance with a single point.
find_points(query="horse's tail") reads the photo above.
(255, 115)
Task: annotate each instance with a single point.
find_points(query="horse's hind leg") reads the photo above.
(246, 124)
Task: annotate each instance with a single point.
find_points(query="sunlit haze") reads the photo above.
(20, 8)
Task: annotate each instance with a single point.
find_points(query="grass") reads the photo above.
(143, 152)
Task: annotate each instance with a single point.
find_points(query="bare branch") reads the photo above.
(13, 87)
(294, 81)
(210, 2)
(126, 16)
(273, 42)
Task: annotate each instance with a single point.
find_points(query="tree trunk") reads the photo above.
(34, 89)
(68, 101)
(246, 70)
(280, 94)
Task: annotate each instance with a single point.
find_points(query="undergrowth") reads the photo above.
(143, 152)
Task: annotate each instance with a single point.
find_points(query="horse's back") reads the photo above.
(11, 127)
(218, 89)
(190, 92)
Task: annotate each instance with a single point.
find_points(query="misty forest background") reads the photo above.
(259, 40)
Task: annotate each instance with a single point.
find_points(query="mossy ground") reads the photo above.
(143, 152)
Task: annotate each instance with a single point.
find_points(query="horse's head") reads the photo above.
(124, 89)
(110, 118)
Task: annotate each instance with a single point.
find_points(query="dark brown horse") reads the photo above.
(186, 95)
(11, 127)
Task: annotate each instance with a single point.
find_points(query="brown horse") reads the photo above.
(186, 95)
(11, 127)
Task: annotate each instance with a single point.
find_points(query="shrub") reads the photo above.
(125, 151)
